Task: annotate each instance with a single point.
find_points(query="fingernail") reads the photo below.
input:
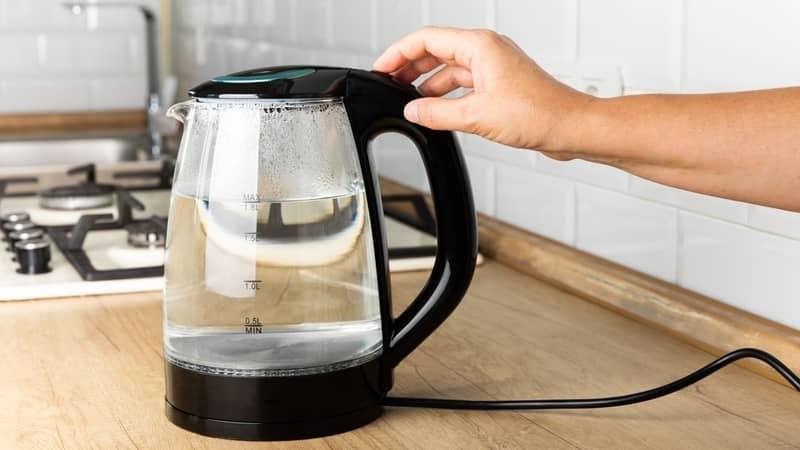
(411, 112)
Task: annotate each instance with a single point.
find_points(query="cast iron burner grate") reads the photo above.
(412, 210)
(409, 209)
(84, 195)
(69, 240)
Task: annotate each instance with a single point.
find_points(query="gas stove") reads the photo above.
(81, 239)
(89, 238)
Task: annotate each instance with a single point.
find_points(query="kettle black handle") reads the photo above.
(374, 104)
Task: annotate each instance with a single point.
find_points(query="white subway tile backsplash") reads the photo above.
(705, 204)
(364, 61)
(36, 15)
(536, 202)
(44, 95)
(746, 44)
(585, 172)
(95, 53)
(239, 54)
(599, 80)
(19, 15)
(543, 28)
(740, 266)
(641, 36)
(137, 54)
(183, 54)
(353, 25)
(94, 19)
(253, 33)
(277, 19)
(20, 53)
(296, 55)
(397, 158)
(221, 13)
(333, 58)
(777, 221)
(397, 18)
(241, 15)
(477, 146)
(119, 19)
(263, 55)
(60, 52)
(219, 58)
(55, 60)
(201, 44)
(117, 93)
(194, 13)
(482, 178)
(315, 30)
(633, 232)
(468, 14)
(211, 58)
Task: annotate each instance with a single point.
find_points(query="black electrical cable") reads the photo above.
(605, 402)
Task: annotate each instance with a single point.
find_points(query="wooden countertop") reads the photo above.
(88, 373)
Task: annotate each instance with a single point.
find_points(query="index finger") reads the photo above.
(443, 43)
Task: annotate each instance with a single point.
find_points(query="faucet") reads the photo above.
(154, 138)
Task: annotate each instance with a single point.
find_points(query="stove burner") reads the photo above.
(85, 195)
(149, 234)
(69, 239)
(82, 196)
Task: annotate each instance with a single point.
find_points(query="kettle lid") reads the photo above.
(276, 82)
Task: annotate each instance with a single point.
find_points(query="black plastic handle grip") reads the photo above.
(374, 104)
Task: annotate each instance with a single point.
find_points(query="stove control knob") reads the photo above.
(15, 216)
(33, 256)
(24, 235)
(8, 227)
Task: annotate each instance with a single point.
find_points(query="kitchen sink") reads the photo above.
(73, 151)
(29, 164)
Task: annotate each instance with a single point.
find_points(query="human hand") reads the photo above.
(513, 101)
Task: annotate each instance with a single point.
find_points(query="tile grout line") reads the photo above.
(683, 50)
(491, 14)
(577, 33)
(573, 233)
(373, 28)
(747, 225)
(329, 25)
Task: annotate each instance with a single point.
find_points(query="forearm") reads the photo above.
(744, 146)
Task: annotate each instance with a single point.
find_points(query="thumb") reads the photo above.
(441, 113)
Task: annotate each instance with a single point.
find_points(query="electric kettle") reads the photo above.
(277, 305)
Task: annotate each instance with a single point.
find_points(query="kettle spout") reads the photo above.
(180, 111)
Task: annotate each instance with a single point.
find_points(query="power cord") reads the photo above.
(605, 402)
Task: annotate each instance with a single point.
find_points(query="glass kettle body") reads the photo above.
(277, 321)
(271, 212)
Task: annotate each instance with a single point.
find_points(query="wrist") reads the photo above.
(576, 125)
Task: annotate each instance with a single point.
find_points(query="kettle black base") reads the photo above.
(257, 431)
(274, 408)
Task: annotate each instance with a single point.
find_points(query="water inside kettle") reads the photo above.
(269, 288)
